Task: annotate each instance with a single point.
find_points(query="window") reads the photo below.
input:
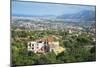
(32, 47)
(32, 44)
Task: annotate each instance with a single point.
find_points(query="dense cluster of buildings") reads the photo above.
(38, 24)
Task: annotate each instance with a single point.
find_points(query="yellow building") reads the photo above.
(58, 49)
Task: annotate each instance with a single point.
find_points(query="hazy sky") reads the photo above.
(40, 9)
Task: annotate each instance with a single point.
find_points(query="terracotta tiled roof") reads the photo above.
(48, 39)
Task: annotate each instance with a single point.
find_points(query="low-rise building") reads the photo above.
(45, 45)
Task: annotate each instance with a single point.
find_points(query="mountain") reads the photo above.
(86, 15)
